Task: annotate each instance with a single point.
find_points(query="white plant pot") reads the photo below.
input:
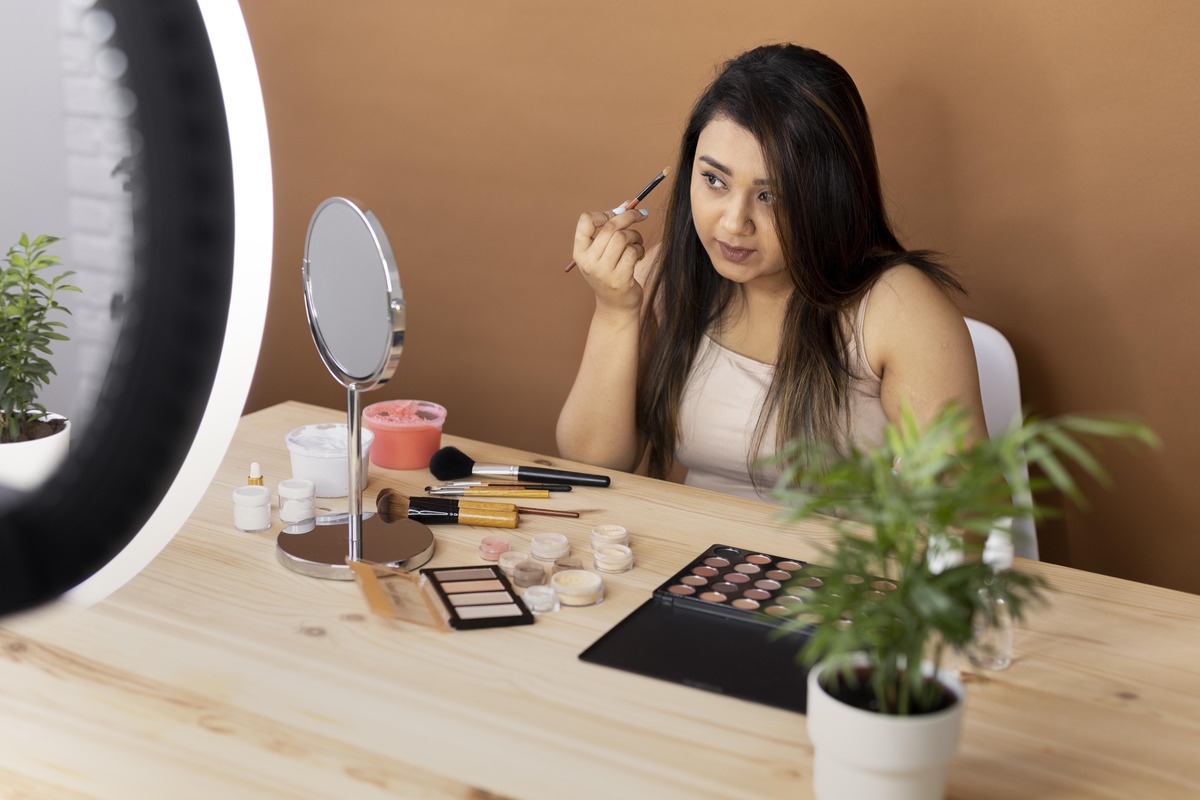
(863, 754)
(26, 465)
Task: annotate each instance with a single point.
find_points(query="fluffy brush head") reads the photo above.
(391, 505)
(450, 463)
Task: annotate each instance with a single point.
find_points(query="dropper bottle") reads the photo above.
(991, 647)
(256, 476)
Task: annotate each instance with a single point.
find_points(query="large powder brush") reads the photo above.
(450, 463)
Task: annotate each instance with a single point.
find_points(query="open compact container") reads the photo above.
(721, 624)
(446, 598)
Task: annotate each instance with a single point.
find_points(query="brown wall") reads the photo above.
(1048, 148)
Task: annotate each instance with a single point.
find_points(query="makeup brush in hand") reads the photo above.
(394, 506)
(385, 499)
(450, 463)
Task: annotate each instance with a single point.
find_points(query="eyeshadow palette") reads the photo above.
(740, 584)
(447, 598)
(717, 624)
(474, 597)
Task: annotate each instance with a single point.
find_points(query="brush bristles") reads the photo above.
(450, 463)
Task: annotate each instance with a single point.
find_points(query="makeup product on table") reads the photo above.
(319, 453)
(720, 623)
(509, 559)
(540, 599)
(549, 546)
(255, 478)
(407, 432)
(631, 204)
(297, 505)
(450, 463)
(565, 563)
(492, 547)
(485, 491)
(528, 573)
(252, 508)
(577, 587)
(612, 558)
(450, 598)
(609, 534)
(549, 487)
(436, 511)
(482, 505)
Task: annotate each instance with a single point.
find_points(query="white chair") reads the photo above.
(1001, 389)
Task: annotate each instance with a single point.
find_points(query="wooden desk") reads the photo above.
(217, 673)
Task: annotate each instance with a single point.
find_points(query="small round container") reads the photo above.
(319, 454)
(567, 562)
(297, 500)
(407, 432)
(528, 573)
(252, 508)
(577, 587)
(613, 558)
(540, 599)
(492, 547)
(509, 559)
(549, 546)
(609, 534)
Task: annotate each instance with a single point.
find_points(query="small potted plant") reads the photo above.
(32, 440)
(885, 609)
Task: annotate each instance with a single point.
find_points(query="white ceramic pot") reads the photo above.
(26, 465)
(860, 754)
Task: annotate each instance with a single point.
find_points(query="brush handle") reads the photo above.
(439, 513)
(486, 491)
(561, 476)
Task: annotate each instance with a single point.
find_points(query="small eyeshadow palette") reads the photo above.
(473, 597)
(740, 584)
(449, 598)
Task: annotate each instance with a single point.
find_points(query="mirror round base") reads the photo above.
(404, 544)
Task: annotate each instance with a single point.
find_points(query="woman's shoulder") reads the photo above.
(908, 308)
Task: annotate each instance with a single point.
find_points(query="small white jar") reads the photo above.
(252, 508)
(297, 501)
(540, 599)
(609, 534)
(549, 546)
(613, 558)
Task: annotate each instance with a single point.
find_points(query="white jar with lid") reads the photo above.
(252, 508)
(613, 558)
(319, 454)
(549, 546)
(297, 505)
(609, 534)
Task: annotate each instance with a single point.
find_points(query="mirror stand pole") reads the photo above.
(354, 443)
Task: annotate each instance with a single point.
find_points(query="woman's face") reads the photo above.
(731, 206)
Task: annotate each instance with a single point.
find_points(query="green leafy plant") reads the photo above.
(27, 299)
(879, 595)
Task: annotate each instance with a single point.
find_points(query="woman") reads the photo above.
(779, 303)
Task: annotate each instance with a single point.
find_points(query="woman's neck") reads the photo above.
(753, 320)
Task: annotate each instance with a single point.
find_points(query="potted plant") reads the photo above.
(32, 440)
(885, 609)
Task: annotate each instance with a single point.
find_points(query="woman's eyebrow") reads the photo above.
(717, 165)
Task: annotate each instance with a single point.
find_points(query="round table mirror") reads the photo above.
(356, 314)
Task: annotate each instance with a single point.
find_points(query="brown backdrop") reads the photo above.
(1048, 149)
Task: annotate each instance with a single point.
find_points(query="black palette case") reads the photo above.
(718, 624)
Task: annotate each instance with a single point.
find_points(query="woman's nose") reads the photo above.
(735, 217)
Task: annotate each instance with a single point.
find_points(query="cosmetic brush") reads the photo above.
(549, 487)
(450, 463)
(393, 506)
(630, 204)
(385, 496)
(485, 491)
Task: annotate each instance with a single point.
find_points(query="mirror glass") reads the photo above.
(352, 292)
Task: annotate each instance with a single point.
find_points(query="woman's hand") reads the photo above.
(607, 249)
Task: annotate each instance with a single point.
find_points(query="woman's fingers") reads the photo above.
(598, 231)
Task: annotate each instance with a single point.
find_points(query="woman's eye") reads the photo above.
(711, 180)
(766, 197)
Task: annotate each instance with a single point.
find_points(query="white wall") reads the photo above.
(63, 134)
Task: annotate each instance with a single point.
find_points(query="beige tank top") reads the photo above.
(721, 403)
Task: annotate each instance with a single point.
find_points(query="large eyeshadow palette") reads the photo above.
(741, 584)
(718, 624)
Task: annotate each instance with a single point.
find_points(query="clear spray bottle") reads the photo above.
(992, 645)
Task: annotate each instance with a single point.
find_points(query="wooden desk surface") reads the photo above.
(218, 673)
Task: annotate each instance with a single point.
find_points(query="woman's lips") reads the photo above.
(734, 254)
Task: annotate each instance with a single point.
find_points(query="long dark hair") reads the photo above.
(810, 121)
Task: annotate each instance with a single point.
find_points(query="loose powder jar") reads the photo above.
(549, 546)
(577, 587)
(491, 547)
(528, 573)
(540, 599)
(510, 559)
(609, 534)
(613, 558)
